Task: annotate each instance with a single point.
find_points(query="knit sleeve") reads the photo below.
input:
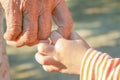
(99, 66)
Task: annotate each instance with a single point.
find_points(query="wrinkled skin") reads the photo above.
(29, 21)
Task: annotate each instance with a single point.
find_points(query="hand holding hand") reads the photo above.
(64, 56)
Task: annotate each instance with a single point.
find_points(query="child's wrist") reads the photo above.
(88, 51)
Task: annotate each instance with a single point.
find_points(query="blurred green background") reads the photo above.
(97, 21)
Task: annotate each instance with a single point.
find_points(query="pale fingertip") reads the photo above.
(42, 43)
(41, 59)
(42, 47)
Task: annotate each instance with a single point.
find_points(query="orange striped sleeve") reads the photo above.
(99, 66)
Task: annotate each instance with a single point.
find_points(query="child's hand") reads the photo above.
(64, 56)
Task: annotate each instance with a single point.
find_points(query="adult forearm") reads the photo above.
(4, 65)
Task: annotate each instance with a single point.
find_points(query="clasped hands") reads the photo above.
(29, 21)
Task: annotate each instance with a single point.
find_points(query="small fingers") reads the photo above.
(45, 60)
(49, 63)
(46, 49)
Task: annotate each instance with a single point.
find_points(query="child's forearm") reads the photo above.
(99, 66)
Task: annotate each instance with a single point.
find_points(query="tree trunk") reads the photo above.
(4, 65)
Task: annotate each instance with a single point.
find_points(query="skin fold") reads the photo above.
(29, 21)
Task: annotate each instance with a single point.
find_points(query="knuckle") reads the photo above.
(14, 30)
(7, 37)
(12, 33)
(30, 40)
(59, 44)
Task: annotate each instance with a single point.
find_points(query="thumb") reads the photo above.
(55, 36)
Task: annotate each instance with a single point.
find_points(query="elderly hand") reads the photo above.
(64, 56)
(29, 21)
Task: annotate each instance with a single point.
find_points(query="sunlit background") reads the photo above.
(97, 21)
